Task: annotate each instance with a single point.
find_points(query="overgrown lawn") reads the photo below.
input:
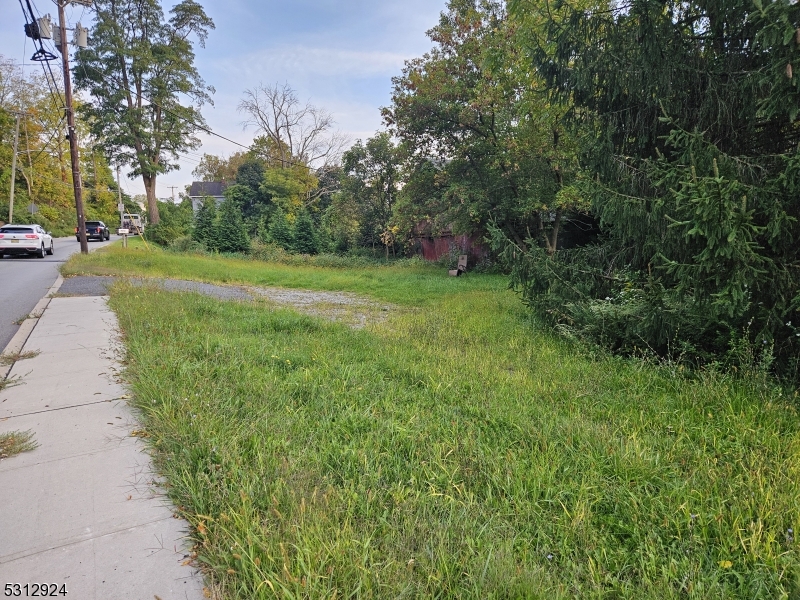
(451, 452)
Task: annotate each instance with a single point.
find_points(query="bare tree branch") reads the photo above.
(301, 133)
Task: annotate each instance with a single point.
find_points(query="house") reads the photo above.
(207, 189)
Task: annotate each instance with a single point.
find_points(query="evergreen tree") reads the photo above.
(305, 236)
(205, 224)
(280, 232)
(693, 172)
(230, 233)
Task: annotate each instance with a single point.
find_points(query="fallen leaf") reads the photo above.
(725, 564)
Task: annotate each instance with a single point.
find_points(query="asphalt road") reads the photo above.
(24, 280)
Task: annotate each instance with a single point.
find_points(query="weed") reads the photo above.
(10, 359)
(6, 382)
(15, 442)
(456, 451)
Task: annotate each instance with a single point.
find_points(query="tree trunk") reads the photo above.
(551, 239)
(150, 189)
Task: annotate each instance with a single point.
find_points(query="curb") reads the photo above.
(17, 342)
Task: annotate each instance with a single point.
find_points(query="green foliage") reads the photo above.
(205, 224)
(280, 232)
(483, 143)
(538, 471)
(219, 168)
(187, 244)
(692, 169)
(43, 175)
(288, 188)
(138, 70)
(305, 236)
(369, 184)
(175, 223)
(230, 233)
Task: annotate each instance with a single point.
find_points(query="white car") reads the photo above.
(25, 239)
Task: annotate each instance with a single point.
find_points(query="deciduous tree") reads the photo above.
(146, 92)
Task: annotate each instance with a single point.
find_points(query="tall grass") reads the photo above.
(451, 452)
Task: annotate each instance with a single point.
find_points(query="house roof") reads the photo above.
(200, 189)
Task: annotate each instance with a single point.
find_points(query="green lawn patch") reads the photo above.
(450, 452)
(408, 282)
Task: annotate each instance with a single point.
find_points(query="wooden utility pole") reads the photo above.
(72, 132)
(120, 205)
(13, 173)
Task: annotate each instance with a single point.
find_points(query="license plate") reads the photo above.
(15, 241)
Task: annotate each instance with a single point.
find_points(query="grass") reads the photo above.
(405, 282)
(452, 452)
(12, 357)
(15, 442)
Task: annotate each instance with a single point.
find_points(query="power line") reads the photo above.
(56, 97)
(207, 130)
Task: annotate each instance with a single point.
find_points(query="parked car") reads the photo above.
(95, 230)
(25, 239)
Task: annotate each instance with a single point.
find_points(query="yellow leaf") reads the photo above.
(725, 564)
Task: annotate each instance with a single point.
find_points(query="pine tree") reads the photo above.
(230, 233)
(305, 236)
(280, 232)
(205, 224)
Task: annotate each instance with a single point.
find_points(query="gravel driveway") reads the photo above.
(355, 311)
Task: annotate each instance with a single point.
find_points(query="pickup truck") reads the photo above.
(95, 230)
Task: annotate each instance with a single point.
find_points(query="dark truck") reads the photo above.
(95, 230)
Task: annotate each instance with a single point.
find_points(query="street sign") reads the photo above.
(120, 207)
(32, 208)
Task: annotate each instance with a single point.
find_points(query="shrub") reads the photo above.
(187, 244)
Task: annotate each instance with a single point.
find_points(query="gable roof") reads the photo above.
(200, 189)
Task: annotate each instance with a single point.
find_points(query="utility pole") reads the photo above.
(173, 188)
(120, 205)
(13, 173)
(72, 132)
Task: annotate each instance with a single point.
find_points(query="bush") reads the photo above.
(175, 222)
(188, 245)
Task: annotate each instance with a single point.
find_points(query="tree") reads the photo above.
(230, 233)
(693, 169)
(176, 222)
(138, 68)
(42, 176)
(295, 136)
(305, 235)
(289, 187)
(370, 181)
(472, 113)
(279, 231)
(205, 222)
(219, 168)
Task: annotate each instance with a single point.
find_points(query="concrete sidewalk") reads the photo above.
(82, 508)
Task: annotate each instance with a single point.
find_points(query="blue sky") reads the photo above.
(340, 55)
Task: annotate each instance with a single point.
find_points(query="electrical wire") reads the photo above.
(120, 87)
(45, 64)
(203, 128)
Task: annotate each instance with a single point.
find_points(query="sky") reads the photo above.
(338, 54)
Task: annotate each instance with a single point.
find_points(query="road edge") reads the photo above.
(17, 343)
